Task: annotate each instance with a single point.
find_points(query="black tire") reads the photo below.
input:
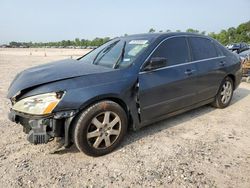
(218, 102)
(86, 124)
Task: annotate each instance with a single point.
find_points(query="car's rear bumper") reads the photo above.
(42, 129)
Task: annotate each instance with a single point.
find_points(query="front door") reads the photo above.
(170, 88)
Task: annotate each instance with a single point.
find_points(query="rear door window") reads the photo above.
(219, 50)
(202, 48)
(175, 50)
(224, 51)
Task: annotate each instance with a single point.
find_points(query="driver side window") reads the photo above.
(175, 50)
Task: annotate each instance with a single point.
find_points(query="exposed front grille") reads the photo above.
(40, 139)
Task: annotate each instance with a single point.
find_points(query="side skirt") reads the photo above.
(175, 113)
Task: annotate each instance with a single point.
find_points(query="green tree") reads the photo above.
(152, 30)
(77, 42)
(203, 33)
(233, 35)
(190, 30)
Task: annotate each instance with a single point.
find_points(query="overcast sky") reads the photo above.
(54, 20)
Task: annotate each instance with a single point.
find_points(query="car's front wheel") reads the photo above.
(100, 128)
(225, 94)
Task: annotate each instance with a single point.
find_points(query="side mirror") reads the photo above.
(155, 63)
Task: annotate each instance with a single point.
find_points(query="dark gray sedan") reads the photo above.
(129, 82)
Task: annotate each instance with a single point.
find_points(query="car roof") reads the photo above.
(163, 35)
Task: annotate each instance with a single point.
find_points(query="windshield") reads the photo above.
(117, 53)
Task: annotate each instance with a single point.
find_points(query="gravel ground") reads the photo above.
(205, 147)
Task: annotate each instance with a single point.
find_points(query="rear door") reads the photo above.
(210, 64)
(170, 88)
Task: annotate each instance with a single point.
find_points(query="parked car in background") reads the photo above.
(129, 82)
(238, 47)
(245, 54)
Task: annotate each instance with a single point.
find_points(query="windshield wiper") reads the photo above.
(96, 56)
(104, 51)
(121, 56)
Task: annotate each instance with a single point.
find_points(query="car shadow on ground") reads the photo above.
(240, 94)
(71, 149)
(133, 136)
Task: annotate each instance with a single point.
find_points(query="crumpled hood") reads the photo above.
(51, 72)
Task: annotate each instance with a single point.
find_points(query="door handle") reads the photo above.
(189, 72)
(222, 63)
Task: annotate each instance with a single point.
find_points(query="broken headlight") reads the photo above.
(39, 104)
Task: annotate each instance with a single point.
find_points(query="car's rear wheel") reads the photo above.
(225, 94)
(100, 128)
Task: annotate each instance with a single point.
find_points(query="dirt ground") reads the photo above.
(205, 147)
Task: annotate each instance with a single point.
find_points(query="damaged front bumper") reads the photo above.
(42, 129)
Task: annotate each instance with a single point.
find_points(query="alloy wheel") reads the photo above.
(226, 92)
(104, 130)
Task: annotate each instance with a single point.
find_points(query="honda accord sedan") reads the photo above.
(127, 83)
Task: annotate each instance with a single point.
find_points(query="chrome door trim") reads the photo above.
(188, 63)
